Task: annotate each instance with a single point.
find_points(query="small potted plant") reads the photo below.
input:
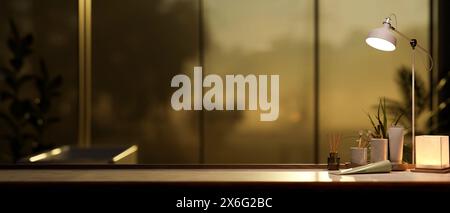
(379, 141)
(359, 153)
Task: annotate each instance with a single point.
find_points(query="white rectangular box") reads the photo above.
(432, 152)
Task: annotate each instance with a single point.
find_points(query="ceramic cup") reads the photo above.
(378, 149)
(358, 155)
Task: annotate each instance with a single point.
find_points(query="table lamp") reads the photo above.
(383, 39)
(432, 153)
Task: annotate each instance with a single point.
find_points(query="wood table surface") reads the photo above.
(163, 185)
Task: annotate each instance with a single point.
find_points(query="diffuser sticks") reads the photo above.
(334, 140)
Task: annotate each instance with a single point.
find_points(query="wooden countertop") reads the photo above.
(163, 186)
(210, 175)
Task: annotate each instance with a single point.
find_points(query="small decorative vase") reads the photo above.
(358, 155)
(378, 149)
(396, 144)
(333, 161)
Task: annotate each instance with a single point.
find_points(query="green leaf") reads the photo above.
(371, 121)
(398, 118)
(378, 110)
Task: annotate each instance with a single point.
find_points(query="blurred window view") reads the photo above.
(137, 48)
(38, 76)
(139, 45)
(261, 37)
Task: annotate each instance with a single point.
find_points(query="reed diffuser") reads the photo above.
(334, 141)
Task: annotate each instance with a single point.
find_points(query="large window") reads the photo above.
(139, 45)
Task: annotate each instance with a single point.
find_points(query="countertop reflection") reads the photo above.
(209, 175)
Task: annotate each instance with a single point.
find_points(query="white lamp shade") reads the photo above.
(382, 39)
(432, 152)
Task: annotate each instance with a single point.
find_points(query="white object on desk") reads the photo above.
(378, 167)
(432, 152)
(378, 149)
(396, 144)
(359, 155)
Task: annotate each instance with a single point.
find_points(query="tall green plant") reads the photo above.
(379, 120)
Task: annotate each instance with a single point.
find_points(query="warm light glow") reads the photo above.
(432, 152)
(125, 153)
(38, 157)
(380, 44)
(42, 156)
(56, 151)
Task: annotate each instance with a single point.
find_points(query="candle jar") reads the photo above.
(358, 155)
(333, 161)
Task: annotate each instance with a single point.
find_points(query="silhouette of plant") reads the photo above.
(422, 98)
(379, 121)
(25, 110)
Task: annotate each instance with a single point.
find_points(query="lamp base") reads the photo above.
(445, 170)
(399, 166)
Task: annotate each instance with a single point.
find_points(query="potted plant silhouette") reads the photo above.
(379, 141)
(379, 137)
(423, 110)
(26, 99)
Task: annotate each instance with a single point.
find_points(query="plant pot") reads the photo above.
(396, 144)
(358, 155)
(378, 149)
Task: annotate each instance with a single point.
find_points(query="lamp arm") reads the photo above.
(409, 39)
(414, 44)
